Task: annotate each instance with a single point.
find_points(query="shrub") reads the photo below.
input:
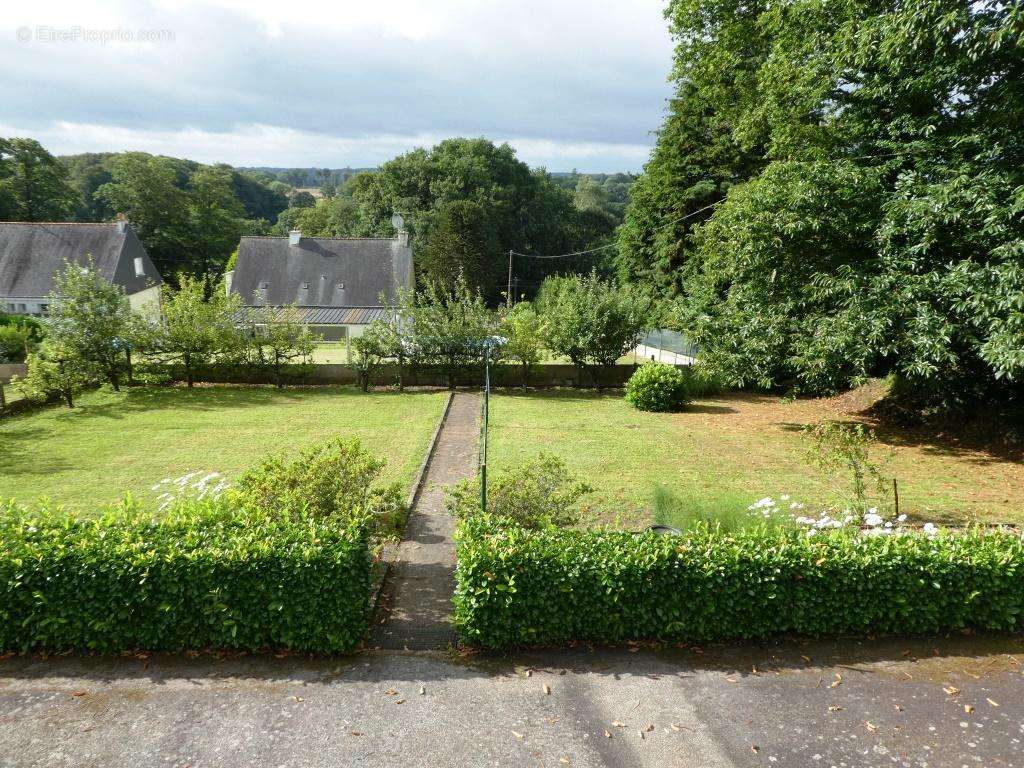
(15, 343)
(537, 494)
(657, 387)
(209, 574)
(335, 479)
(518, 587)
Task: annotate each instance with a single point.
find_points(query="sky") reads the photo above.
(568, 83)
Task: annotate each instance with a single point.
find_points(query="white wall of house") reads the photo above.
(146, 302)
(37, 306)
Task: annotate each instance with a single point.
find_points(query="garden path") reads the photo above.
(415, 608)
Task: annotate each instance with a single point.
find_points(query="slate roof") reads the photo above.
(321, 273)
(31, 254)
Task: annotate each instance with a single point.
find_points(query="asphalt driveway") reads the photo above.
(949, 702)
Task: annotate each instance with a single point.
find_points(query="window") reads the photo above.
(22, 308)
(305, 285)
(139, 269)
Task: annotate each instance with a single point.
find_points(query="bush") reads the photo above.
(657, 387)
(537, 494)
(209, 574)
(519, 587)
(15, 343)
(336, 479)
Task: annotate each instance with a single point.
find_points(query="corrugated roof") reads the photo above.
(321, 272)
(31, 254)
(328, 315)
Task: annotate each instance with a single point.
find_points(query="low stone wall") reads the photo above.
(7, 370)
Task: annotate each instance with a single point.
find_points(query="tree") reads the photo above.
(524, 210)
(591, 321)
(145, 189)
(865, 160)
(372, 348)
(451, 326)
(196, 327)
(282, 337)
(33, 183)
(215, 218)
(462, 242)
(54, 371)
(523, 330)
(90, 321)
(302, 199)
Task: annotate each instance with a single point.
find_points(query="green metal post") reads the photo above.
(487, 403)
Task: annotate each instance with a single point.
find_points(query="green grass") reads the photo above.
(723, 453)
(112, 442)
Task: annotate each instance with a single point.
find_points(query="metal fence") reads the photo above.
(666, 346)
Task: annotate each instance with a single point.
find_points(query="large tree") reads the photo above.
(878, 228)
(145, 188)
(33, 183)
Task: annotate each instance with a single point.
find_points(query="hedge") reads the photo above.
(205, 577)
(517, 587)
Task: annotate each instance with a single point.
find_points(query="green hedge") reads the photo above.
(517, 587)
(205, 577)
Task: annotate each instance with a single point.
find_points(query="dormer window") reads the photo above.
(264, 286)
(341, 286)
(305, 285)
(140, 271)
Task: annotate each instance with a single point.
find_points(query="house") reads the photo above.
(32, 253)
(338, 285)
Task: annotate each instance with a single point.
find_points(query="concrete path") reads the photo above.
(415, 606)
(927, 704)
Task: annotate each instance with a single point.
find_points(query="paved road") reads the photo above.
(954, 702)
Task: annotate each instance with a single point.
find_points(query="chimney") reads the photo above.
(122, 223)
(294, 237)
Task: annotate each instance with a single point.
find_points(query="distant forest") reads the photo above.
(466, 203)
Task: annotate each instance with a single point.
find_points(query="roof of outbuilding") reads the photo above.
(321, 272)
(327, 315)
(32, 253)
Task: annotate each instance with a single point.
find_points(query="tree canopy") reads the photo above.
(863, 164)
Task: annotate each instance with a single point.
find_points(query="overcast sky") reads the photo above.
(569, 83)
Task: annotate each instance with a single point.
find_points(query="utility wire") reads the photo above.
(908, 152)
(616, 245)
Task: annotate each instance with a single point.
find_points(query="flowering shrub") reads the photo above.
(518, 587)
(657, 387)
(207, 574)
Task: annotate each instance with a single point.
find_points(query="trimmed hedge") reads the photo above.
(205, 577)
(518, 587)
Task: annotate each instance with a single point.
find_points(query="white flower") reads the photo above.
(901, 518)
(930, 529)
(811, 532)
(784, 497)
(872, 518)
(796, 505)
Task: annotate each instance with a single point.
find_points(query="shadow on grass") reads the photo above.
(970, 448)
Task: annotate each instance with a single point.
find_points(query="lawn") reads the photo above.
(726, 452)
(111, 442)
